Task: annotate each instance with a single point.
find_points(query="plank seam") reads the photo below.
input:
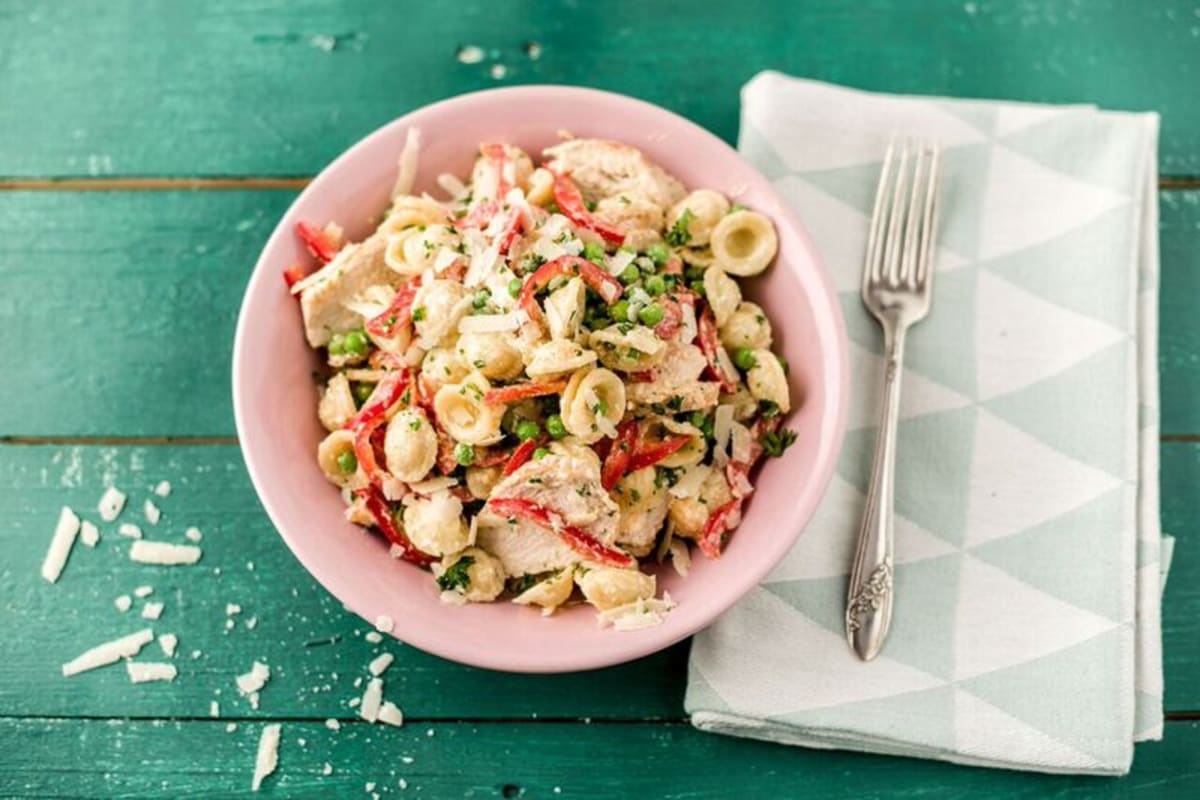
(1173, 716)
(136, 441)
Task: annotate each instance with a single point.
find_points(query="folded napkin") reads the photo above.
(1026, 629)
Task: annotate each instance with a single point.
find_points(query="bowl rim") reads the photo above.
(775, 550)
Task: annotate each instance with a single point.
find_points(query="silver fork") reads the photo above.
(897, 278)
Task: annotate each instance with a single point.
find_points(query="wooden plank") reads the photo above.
(211, 490)
(234, 87)
(150, 308)
(92, 758)
(296, 618)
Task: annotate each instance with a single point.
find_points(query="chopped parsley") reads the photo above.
(775, 442)
(456, 576)
(415, 425)
(769, 408)
(418, 314)
(680, 233)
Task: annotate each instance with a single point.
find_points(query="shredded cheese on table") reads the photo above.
(371, 700)
(255, 679)
(89, 534)
(109, 652)
(146, 671)
(168, 642)
(380, 663)
(60, 544)
(267, 757)
(152, 610)
(384, 623)
(390, 714)
(164, 554)
(123, 603)
(163, 489)
(130, 530)
(111, 503)
(151, 511)
(193, 534)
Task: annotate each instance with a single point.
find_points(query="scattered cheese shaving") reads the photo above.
(642, 613)
(371, 700)
(89, 534)
(373, 637)
(390, 714)
(146, 671)
(143, 591)
(130, 530)
(406, 168)
(619, 260)
(333, 724)
(111, 503)
(231, 727)
(164, 554)
(327, 769)
(151, 511)
(380, 663)
(168, 642)
(232, 608)
(109, 652)
(163, 489)
(251, 623)
(267, 757)
(255, 679)
(60, 544)
(470, 54)
(722, 428)
(384, 623)
(152, 610)
(214, 709)
(742, 441)
(681, 559)
(369, 786)
(254, 700)
(193, 534)
(123, 603)
(690, 482)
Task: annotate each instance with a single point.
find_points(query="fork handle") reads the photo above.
(869, 599)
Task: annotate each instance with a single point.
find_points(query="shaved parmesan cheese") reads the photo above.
(111, 503)
(742, 443)
(168, 642)
(193, 534)
(483, 263)
(89, 534)
(373, 637)
(384, 623)
(163, 489)
(722, 428)
(406, 167)
(489, 323)
(214, 709)
(231, 727)
(146, 671)
(690, 481)
(143, 591)
(151, 511)
(642, 613)
(163, 553)
(380, 663)
(444, 259)
(688, 328)
(452, 185)
(371, 700)
(251, 623)
(232, 608)
(253, 700)
(152, 610)
(618, 261)
(123, 603)
(681, 559)
(327, 769)
(390, 714)
(60, 544)
(267, 757)
(333, 724)
(433, 485)
(130, 530)
(370, 302)
(255, 679)
(109, 653)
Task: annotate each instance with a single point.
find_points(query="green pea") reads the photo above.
(651, 315)
(514, 286)
(356, 343)
(744, 358)
(555, 426)
(619, 311)
(669, 281)
(481, 299)
(694, 273)
(697, 287)
(659, 253)
(594, 252)
(783, 362)
(464, 454)
(655, 285)
(337, 345)
(630, 274)
(527, 429)
(541, 452)
(362, 391)
(347, 462)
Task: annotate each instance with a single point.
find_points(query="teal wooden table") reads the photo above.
(146, 151)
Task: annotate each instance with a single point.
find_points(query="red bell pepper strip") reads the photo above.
(317, 241)
(570, 202)
(521, 456)
(479, 216)
(498, 155)
(647, 455)
(608, 287)
(616, 463)
(719, 523)
(491, 456)
(523, 391)
(382, 513)
(387, 393)
(294, 274)
(710, 344)
(674, 266)
(512, 229)
(578, 540)
(398, 314)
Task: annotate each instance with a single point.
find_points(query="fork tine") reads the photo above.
(875, 234)
(909, 251)
(929, 221)
(891, 250)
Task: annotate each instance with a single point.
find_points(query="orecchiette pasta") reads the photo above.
(748, 328)
(410, 445)
(435, 524)
(744, 242)
(722, 293)
(704, 209)
(461, 410)
(767, 381)
(495, 355)
(592, 404)
(548, 376)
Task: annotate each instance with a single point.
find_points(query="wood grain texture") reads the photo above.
(296, 618)
(76, 758)
(252, 87)
(147, 310)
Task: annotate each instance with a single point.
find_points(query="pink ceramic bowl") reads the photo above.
(275, 402)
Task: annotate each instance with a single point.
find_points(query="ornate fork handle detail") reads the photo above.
(869, 596)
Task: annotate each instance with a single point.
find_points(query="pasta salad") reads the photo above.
(549, 377)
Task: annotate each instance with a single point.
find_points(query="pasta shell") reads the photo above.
(337, 403)
(722, 293)
(549, 593)
(593, 404)
(557, 357)
(495, 355)
(767, 381)
(609, 587)
(410, 445)
(565, 308)
(328, 452)
(706, 209)
(630, 349)
(460, 409)
(747, 327)
(435, 524)
(744, 242)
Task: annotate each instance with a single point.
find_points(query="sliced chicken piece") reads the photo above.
(643, 510)
(605, 169)
(355, 268)
(523, 548)
(677, 376)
